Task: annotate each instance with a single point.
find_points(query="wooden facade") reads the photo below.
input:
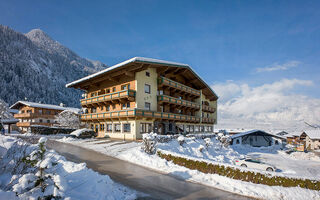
(145, 95)
(31, 113)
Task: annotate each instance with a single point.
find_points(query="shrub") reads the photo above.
(235, 173)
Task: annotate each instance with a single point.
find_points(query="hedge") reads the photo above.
(235, 173)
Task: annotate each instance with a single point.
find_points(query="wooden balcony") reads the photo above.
(178, 102)
(32, 115)
(179, 86)
(137, 113)
(124, 95)
(27, 124)
(208, 120)
(208, 108)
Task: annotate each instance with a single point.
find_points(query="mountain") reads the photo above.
(36, 67)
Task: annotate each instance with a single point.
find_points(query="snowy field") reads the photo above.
(131, 151)
(74, 181)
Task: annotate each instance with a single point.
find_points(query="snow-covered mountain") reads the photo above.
(36, 67)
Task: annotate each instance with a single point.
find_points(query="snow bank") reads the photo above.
(132, 152)
(75, 181)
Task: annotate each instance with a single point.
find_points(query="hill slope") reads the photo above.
(36, 67)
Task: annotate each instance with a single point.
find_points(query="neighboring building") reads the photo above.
(312, 139)
(31, 113)
(231, 132)
(257, 138)
(294, 139)
(141, 95)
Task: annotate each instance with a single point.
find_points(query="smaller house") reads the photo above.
(257, 138)
(296, 140)
(312, 139)
(33, 114)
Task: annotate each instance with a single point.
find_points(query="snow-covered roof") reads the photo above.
(252, 131)
(313, 134)
(140, 59)
(40, 105)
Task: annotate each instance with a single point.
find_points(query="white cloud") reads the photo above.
(267, 106)
(276, 66)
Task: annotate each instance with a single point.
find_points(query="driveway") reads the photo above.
(155, 184)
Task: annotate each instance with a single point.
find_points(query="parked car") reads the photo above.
(83, 133)
(254, 163)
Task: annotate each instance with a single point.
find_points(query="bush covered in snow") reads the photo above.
(69, 119)
(149, 142)
(33, 172)
(238, 174)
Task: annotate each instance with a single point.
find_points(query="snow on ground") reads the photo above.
(131, 152)
(75, 181)
(5, 143)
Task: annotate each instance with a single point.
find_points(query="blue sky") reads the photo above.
(224, 41)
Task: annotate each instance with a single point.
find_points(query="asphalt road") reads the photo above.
(153, 183)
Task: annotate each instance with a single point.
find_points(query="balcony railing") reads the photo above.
(180, 102)
(165, 81)
(138, 113)
(109, 97)
(33, 115)
(208, 108)
(208, 120)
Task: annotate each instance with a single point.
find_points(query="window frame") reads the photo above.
(128, 126)
(145, 105)
(147, 87)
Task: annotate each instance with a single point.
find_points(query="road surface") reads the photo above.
(155, 184)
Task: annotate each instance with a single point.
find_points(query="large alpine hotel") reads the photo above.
(141, 95)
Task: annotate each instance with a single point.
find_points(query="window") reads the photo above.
(29, 111)
(196, 128)
(147, 88)
(170, 127)
(22, 111)
(40, 111)
(113, 106)
(202, 128)
(188, 128)
(107, 91)
(145, 127)
(206, 128)
(161, 92)
(93, 110)
(40, 120)
(126, 127)
(92, 126)
(113, 89)
(148, 74)
(191, 128)
(124, 87)
(108, 108)
(101, 127)
(147, 106)
(48, 121)
(109, 127)
(276, 142)
(161, 109)
(237, 141)
(126, 105)
(48, 112)
(117, 127)
(93, 94)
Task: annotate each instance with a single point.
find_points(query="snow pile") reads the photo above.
(209, 149)
(19, 173)
(304, 156)
(80, 131)
(5, 143)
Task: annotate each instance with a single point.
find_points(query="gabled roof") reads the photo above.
(140, 60)
(18, 104)
(313, 134)
(253, 131)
